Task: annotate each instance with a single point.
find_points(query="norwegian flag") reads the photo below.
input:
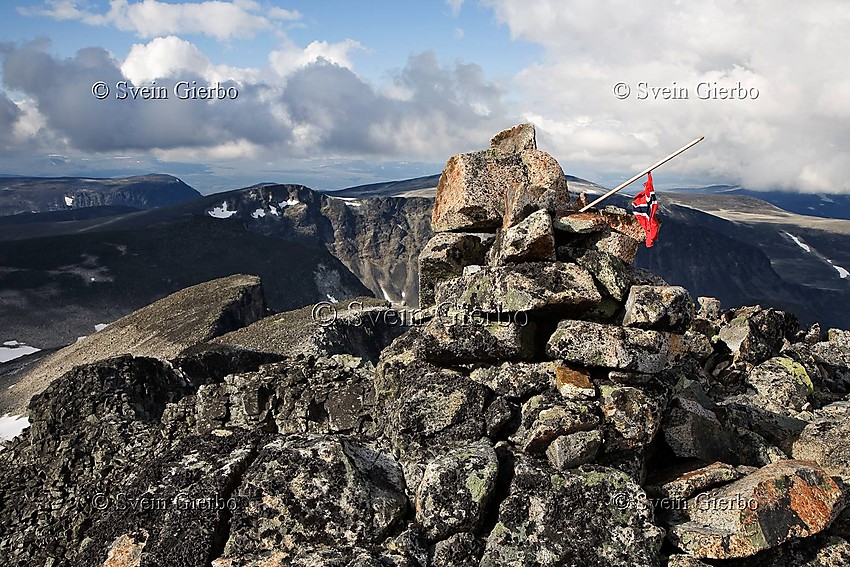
(645, 208)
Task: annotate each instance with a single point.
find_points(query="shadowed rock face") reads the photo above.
(162, 330)
(477, 437)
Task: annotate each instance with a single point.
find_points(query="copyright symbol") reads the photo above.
(100, 90)
(620, 500)
(622, 90)
(100, 501)
(324, 313)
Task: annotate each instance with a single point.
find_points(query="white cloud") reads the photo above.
(220, 19)
(292, 57)
(794, 135)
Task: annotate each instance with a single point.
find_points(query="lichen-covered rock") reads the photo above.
(709, 308)
(755, 334)
(580, 223)
(455, 491)
(661, 308)
(613, 276)
(517, 379)
(609, 346)
(572, 518)
(529, 240)
(826, 440)
(454, 338)
(445, 256)
(632, 416)
(692, 429)
(422, 409)
(689, 483)
(777, 503)
(546, 417)
(617, 244)
(318, 395)
(546, 188)
(574, 449)
(558, 288)
(781, 384)
(459, 550)
(308, 492)
(498, 187)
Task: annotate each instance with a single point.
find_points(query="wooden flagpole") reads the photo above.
(620, 187)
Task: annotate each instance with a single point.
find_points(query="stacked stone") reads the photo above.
(545, 380)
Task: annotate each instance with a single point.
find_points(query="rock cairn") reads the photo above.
(548, 406)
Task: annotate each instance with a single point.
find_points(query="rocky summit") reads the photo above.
(547, 405)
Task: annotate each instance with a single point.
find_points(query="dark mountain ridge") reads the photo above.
(20, 195)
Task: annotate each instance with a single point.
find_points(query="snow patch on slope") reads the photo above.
(798, 242)
(12, 425)
(13, 349)
(221, 212)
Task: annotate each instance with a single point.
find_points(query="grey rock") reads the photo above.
(517, 379)
(632, 415)
(445, 256)
(780, 502)
(555, 287)
(306, 491)
(514, 140)
(612, 275)
(826, 440)
(529, 240)
(324, 395)
(709, 308)
(781, 385)
(459, 550)
(609, 346)
(546, 417)
(687, 484)
(580, 223)
(574, 449)
(360, 327)
(498, 415)
(755, 334)
(454, 339)
(617, 244)
(455, 491)
(572, 518)
(660, 308)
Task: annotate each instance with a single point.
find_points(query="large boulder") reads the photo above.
(312, 493)
(555, 287)
(498, 187)
(552, 518)
(663, 308)
(826, 440)
(445, 256)
(777, 503)
(304, 394)
(754, 334)
(161, 330)
(455, 491)
(529, 240)
(613, 276)
(609, 346)
(781, 384)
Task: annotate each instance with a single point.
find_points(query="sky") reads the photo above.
(336, 93)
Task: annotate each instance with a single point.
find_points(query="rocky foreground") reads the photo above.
(548, 405)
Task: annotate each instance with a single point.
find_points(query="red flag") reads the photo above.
(645, 208)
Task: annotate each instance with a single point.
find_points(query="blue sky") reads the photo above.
(337, 93)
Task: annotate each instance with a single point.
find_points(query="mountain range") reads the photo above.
(65, 270)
